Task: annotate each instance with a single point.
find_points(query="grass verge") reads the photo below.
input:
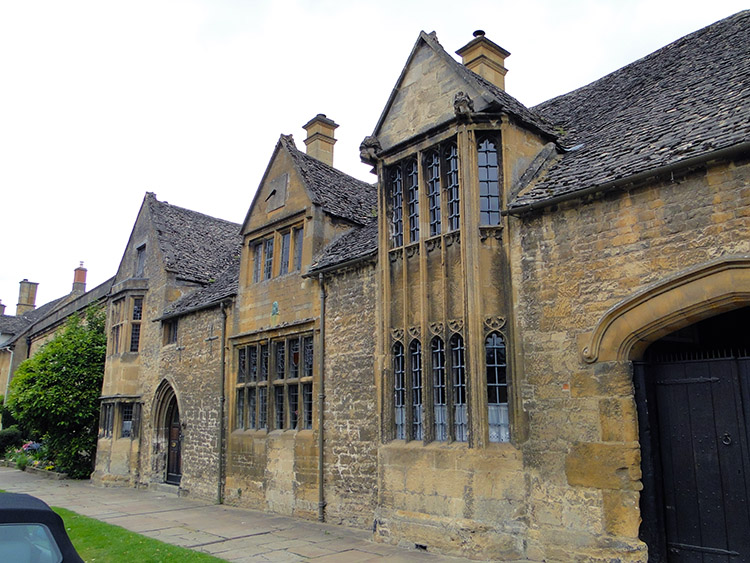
(97, 541)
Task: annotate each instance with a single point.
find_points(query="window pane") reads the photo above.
(240, 420)
(127, 419)
(280, 360)
(294, 358)
(135, 337)
(489, 185)
(307, 400)
(279, 406)
(285, 240)
(268, 265)
(415, 353)
(258, 261)
(308, 351)
(263, 362)
(252, 363)
(251, 414)
(433, 192)
(241, 365)
(140, 262)
(440, 395)
(497, 388)
(297, 248)
(293, 391)
(451, 185)
(137, 309)
(399, 391)
(262, 407)
(397, 194)
(458, 372)
(412, 190)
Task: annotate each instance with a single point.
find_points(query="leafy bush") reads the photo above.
(22, 460)
(10, 438)
(54, 394)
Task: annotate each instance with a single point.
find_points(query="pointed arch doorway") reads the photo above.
(693, 395)
(168, 433)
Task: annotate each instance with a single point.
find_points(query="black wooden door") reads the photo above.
(700, 461)
(174, 461)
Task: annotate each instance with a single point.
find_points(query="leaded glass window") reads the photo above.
(497, 388)
(399, 391)
(307, 343)
(412, 191)
(294, 358)
(489, 183)
(279, 406)
(451, 185)
(285, 243)
(297, 248)
(458, 373)
(264, 362)
(257, 261)
(432, 165)
(280, 359)
(439, 390)
(307, 403)
(397, 196)
(268, 264)
(415, 365)
(293, 391)
(262, 407)
(240, 408)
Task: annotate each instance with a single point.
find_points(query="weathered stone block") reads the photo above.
(604, 466)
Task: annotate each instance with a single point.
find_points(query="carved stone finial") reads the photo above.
(463, 104)
(369, 148)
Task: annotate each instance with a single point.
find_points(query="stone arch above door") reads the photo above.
(626, 330)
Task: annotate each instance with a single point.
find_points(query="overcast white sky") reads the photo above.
(101, 101)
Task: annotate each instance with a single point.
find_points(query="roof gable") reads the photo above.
(337, 193)
(423, 96)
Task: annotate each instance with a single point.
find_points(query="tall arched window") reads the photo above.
(458, 376)
(450, 154)
(497, 387)
(489, 183)
(439, 390)
(399, 391)
(432, 172)
(397, 195)
(415, 372)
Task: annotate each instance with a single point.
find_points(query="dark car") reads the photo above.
(30, 532)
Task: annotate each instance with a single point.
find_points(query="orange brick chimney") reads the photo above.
(79, 279)
(485, 58)
(26, 297)
(320, 139)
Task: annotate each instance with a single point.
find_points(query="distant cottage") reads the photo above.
(526, 341)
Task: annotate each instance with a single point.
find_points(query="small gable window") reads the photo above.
(489, 182)
(170, 332)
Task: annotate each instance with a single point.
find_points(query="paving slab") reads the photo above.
(230, 533)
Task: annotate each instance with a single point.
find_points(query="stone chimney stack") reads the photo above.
(79, 279)
(26, 297)
(320, 139)
(2, 308)
(485, 58)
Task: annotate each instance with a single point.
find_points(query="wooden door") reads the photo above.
(174, 461)
(695, 459)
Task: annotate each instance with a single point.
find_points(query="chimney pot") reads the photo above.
(320, 138)
(486, 58)
(2, 308)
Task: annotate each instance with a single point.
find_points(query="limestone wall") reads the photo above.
(569, 267)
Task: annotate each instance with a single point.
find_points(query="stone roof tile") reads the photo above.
(357, 243)
(685, 100)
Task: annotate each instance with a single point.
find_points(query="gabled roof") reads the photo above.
(212, 295)
(684, 101)
(337, 193)
(10, 324)
(355, 244)
(195, 247)
(486, 96)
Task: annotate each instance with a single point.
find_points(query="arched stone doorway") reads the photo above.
(168, 438)
(693, 396)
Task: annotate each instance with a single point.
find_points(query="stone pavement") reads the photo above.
(229, 533)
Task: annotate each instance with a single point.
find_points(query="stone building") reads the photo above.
(527, 341)
(22, 335)
(161, 414)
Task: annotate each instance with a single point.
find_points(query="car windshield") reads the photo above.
(28, 543)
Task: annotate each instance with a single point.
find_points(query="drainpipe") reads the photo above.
(220, 486)
(321, 400)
